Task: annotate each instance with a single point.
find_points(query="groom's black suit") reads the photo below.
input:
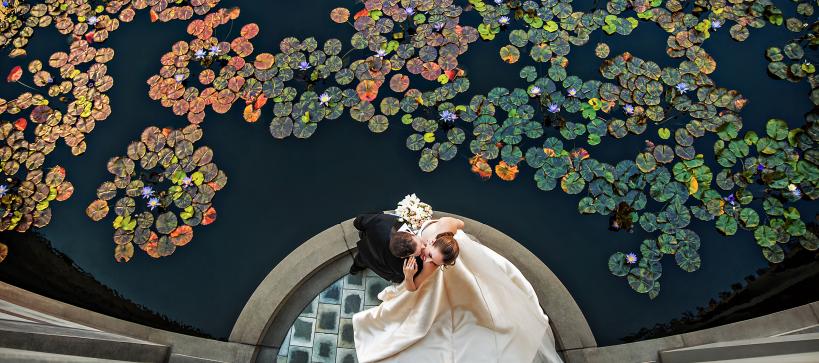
(374, 247)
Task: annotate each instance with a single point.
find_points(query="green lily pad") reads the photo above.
(727, 225)
(166, 222)
(601, 50)
(535, 157)
(544, 181)
(809, 241)
(668, 243)
(646, 162)
(765, 236)
(777, 129)
(749, 218)
(796, 228)
(572, 183)
(774, 254)
(688, 259)
(618, 265)
(650, 250)
(663, 154)
(641, 280)
(428, 161)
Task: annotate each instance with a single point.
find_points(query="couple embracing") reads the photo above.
(453, 299)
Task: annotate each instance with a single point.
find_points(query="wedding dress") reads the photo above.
(481, 309)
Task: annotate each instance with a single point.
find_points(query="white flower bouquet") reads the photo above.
(413, 211)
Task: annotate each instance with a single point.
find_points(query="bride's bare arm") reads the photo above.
(449, 224)
(413, 284)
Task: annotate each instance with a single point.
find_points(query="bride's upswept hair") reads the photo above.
(446, 243)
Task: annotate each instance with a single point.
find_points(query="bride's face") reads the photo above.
(430, 253)
(434, 254)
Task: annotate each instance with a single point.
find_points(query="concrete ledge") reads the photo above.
(744, 349)
(760, 327)
(78, 342)
(644, 351)
(20, 356)
(770, 325)
(267, 315)
(180, 343)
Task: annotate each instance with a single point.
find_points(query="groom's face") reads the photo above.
(420, 246)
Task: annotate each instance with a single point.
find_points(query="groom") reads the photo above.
(385, 243)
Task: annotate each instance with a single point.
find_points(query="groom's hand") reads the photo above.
(410, 267)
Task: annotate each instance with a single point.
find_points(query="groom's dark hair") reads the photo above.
(402, 244)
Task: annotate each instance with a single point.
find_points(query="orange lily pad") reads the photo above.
(181, 235)
(367, 90)
(209, 216)
(505, 171)
(481, 167)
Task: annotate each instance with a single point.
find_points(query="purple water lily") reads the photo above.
(153, 203)
(409, 10)
(572, 92)
(682, 87)
(179, 77)
(92, 20)
(324, 99)
(498, 2)
(716, 24)
(535, 91)
(214, 50)
(760, 167)
(628, 109)
(146, 192)
(731, 199)
(199, 54)
(5, 4)
(187, 181)
(503, 20)
(380, 53)
(304, 65)
(438, 26)
(554, 108)
(631, 258)
(4, 189)
(448, 116)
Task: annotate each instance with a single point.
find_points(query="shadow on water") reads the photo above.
(38, 267)
(282, 192)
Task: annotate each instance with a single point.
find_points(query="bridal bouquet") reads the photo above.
(413, 211)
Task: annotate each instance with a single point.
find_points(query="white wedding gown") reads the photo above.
(481, 309)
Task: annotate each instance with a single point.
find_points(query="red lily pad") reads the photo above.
(14, 74)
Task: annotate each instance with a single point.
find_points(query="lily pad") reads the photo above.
(618, 265)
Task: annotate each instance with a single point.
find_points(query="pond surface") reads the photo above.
(282, 192)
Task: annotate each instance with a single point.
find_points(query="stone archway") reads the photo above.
(325, 258)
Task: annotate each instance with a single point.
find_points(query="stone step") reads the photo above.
(805, 330)
(72, 341)
(765, 349)
(787, 358)
(184, 358)
(27, 356)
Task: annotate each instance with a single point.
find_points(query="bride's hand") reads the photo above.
(410, 267)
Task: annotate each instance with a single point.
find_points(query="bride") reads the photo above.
(476, 308)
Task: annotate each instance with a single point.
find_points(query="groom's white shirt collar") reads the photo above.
(405, 228)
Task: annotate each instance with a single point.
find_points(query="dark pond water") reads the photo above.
(281, 193)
